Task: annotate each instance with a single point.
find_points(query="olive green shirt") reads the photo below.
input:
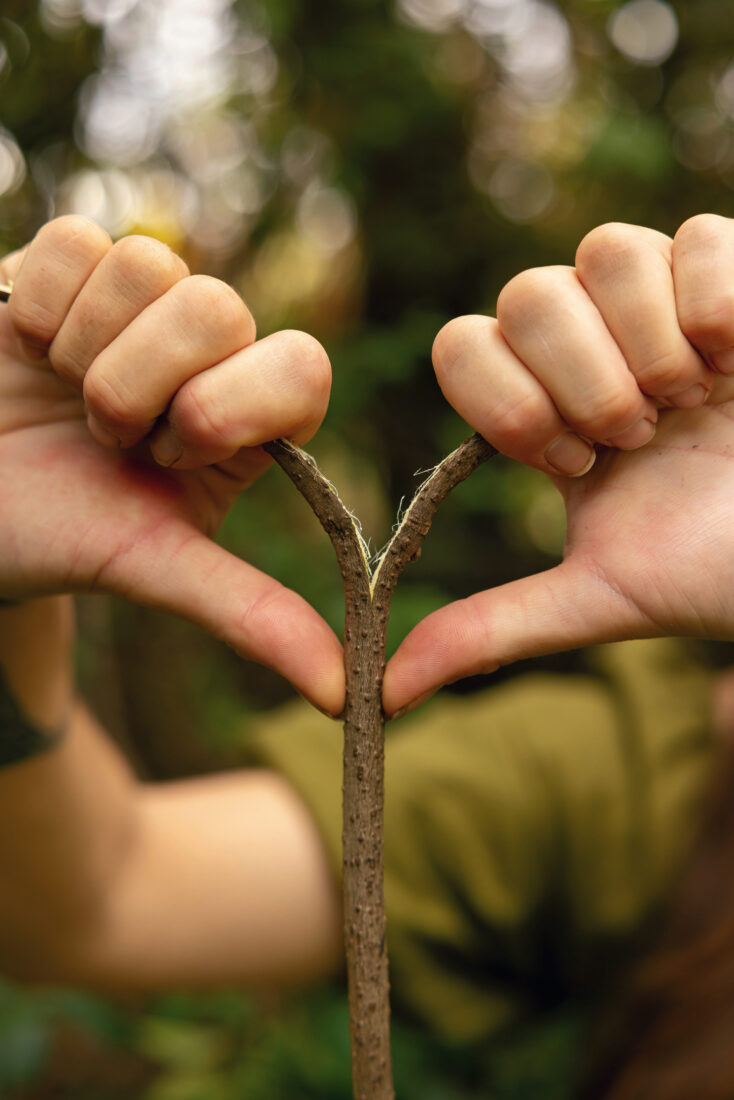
(529, 829)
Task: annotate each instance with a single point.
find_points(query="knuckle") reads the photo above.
(702, 230)
(215, 306)
(73, 229)
(311, 369)
(67, 363)
(453, 339)
(61, 247)
(137, 257)
(107, 397)
(608, 247)
(662, 373)
(708, 323)
(32, 319)
(606, 413)
(514, 422)
(198, 418)
(526, 296)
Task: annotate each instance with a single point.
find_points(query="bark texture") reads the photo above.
(367, 594)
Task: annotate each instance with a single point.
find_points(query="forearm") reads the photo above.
(227, 883)
(108, 882)
(67, 811)
(208, 882)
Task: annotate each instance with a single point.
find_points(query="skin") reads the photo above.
(133, 398)
(108, 882)
(104, 346)
(132, 401)
(627, 359)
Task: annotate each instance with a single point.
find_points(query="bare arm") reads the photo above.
(108, 882)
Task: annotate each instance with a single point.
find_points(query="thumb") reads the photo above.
(182, 571)
(566, 607)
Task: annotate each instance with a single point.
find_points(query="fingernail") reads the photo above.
(570, 455)
(102, 434)
(691, 398)
(636, 436)
(322, 710)
(414, 705)
(166, 447)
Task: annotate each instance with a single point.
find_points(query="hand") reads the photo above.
(632, 350)
(133, 399)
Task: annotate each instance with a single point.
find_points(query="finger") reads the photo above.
(276, 387)
(555, 329)
(703, 273)
(627, 272)
(198, 322)
(181, 571)
(135, 272)
(487, 384)
(562, 608)
(58, 262)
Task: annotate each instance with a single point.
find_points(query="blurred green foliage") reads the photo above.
(365, 170)
(227, 1047)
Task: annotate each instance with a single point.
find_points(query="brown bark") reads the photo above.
(367, 596)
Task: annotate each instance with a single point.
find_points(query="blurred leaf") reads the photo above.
(190, 1086)
(24, 1037)
(181, 1044)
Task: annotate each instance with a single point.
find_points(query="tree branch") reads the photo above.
(367, 606)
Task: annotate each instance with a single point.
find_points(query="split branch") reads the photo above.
(367, 605)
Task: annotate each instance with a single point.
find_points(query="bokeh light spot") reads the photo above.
(326, 216)
(645, 31)
(522, 190)
(59, 17)
(725, 92)
(12, 164)
(431, 15)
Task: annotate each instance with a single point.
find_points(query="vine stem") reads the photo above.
(367, 594)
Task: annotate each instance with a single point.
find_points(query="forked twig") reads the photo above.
(367, 594)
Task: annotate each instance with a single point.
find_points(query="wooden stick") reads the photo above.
(367, 597)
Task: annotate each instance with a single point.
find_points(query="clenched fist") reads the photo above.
(133, 399)
(616, 378)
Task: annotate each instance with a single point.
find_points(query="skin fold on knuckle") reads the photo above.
(109, 401)
(607, 413)
(709, 323)
(202, 421)
(67, 360)
(521, 428)
(669, 371)
(32, 320)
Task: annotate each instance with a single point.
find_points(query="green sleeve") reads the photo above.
(529, 829)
